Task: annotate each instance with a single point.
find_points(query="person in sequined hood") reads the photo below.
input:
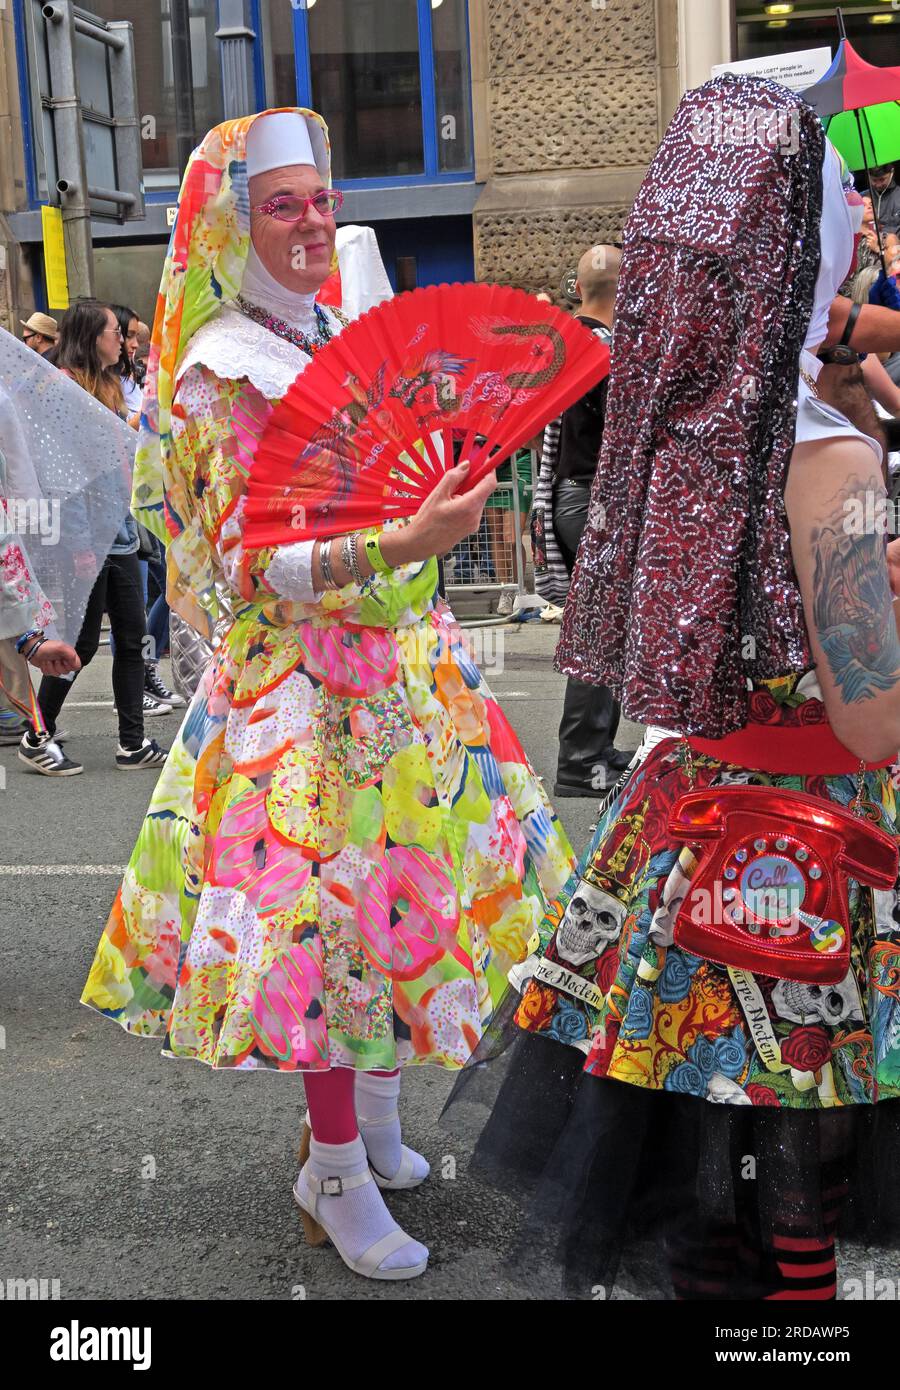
(733, 587)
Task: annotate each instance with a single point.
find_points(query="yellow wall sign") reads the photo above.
(54, 258)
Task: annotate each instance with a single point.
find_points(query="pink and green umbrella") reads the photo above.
(859, 106)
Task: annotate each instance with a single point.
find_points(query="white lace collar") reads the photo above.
(234, 346)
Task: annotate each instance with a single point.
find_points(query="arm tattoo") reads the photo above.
(852, 602)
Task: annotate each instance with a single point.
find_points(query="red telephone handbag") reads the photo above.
(770, 891)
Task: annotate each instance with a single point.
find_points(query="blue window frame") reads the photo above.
(25, 102)
(432, 172)
(259, 69)
(156, 193)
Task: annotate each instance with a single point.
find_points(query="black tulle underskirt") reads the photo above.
(628, 1188)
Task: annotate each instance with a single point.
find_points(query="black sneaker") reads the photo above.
(564, 789)
(154, 686)
(148, 755)
(44, 755)
(153, 707)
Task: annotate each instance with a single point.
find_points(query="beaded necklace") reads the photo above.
(283, 330)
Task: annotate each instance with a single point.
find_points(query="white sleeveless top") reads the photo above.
(816, 420)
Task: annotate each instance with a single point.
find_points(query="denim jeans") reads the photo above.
(158, 609)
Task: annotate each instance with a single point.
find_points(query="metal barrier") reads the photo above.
(494, 558)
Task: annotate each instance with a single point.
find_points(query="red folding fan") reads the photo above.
(383, 410)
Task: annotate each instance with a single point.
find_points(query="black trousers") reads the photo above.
(590, 714)
(119, 591)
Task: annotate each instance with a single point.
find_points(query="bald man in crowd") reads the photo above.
(588, 759)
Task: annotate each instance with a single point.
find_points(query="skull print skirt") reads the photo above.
(640, 1091)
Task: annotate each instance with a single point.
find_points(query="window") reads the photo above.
(151, 21)
(275, 20)
(452, 85)
(391, 78)
(364, 69)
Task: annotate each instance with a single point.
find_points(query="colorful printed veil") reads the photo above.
(684, 588)
(203, 270)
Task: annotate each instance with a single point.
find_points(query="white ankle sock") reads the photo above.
(376, 1100)
(359, 1216)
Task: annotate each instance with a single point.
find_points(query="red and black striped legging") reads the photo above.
(732, 1261)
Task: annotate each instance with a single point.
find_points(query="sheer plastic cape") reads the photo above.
(67, 486)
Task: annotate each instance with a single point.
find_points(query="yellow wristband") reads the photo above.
(374, 556)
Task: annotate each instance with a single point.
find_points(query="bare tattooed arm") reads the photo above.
(839, 517)
(852, 600)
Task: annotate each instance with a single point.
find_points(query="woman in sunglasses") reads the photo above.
(347, 849)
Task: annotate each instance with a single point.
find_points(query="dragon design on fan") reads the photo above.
(437, 370)
(531, 381)
(504, 390)
(335, 435)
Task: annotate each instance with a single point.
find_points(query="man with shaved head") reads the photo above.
(598, 272)
(588, 759)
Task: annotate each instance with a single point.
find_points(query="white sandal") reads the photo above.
(370, 1261)
(402, 1179)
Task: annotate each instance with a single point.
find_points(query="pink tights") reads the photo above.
(329, 1095)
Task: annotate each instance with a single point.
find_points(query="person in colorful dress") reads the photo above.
(721, 591)
(347, 849)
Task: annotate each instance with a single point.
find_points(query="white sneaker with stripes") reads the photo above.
(148, 755)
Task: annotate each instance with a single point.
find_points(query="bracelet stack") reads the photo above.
(350, 557)
(34, 637)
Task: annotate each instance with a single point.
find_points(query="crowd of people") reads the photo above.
(349, 865)
(103, 348)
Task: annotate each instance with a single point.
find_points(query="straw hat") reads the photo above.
(43, 324)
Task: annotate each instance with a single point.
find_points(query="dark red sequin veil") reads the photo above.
(685, 586)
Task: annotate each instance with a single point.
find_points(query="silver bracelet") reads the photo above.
(352, 544)
(345, 555)
(328, 578)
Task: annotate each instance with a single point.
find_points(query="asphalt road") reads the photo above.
(127, 1176)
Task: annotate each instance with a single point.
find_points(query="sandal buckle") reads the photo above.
(332, 1187)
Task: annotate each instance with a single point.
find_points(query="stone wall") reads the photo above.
(535, 248)
(570, 98)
